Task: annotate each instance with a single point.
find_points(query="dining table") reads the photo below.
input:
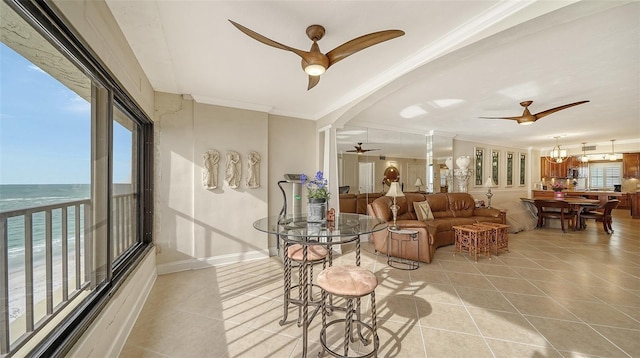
(577, 204)
(345, 228)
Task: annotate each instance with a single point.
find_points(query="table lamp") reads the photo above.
(418, 184)
(488, 184)
(394, 191)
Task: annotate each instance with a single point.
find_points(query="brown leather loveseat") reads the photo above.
(357, 203)
(449, 209)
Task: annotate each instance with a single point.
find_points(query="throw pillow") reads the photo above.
(423, 210)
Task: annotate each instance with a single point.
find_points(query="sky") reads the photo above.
(45, 129)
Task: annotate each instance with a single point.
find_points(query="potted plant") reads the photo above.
(317, 196)
(558, 188)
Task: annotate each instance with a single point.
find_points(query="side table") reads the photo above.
(499, 236)
(406, 236)
(473, 239)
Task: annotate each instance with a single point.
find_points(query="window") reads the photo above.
(75, 183)
(605, 175)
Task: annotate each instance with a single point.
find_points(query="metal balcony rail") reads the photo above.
(64, 229)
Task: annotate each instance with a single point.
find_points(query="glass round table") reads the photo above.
(346, 228)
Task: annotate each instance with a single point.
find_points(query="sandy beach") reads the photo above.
(17, 287)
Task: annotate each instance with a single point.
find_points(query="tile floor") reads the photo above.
(554, 295)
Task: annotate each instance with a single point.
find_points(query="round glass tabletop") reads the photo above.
(344, 225)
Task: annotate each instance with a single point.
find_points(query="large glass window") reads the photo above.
(605, 175)
(72, 168)
(124, 208)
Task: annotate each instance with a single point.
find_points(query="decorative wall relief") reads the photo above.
(523, 162)
(211, 158)
(253, 163)
(495, 166)
(479, 163)
(509, 168)
(233, 169)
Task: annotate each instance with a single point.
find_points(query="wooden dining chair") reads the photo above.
(555, 209)
(604, 215)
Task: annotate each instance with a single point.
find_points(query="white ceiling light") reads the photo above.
(314, 70)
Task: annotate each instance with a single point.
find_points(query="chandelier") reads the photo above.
(556, 155)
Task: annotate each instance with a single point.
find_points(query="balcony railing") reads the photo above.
(45, 261)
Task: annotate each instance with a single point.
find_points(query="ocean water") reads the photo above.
(23, 196)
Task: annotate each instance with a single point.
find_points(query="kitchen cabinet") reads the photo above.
(634, 202)
(556, 170)
(625, 202)
(631, 165)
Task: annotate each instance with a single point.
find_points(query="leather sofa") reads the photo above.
(449, 209)
(357, 203)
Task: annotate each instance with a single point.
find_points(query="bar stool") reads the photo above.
(350, 282)
(315, 254)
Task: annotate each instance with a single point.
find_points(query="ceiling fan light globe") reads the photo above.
(314, 70)
(525, 123)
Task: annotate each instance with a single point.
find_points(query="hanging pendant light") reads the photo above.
(584, 158)
(557, 155)
(613, 156)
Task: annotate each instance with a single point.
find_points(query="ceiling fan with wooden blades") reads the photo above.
(528, 118)
(314, 62)
(359, 149)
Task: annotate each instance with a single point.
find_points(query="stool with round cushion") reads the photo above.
(294, 254)
(350, 282)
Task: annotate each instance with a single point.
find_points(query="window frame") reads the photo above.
(47, 21)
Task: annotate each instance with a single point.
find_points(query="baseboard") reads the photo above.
(195, 264)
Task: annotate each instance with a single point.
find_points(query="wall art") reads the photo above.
(523, 165)
(253, 164)
(510, 159)
(479, 165)
(233, 169)
(210, 160)
(495, 167)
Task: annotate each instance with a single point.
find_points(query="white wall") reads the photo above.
(196, 227)
(292, 150)
(501, 193)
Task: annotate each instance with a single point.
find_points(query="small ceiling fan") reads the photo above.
(359, 149)
(314, 62)
(528, 118)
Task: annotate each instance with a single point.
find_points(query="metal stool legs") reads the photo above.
(334, 281)
(304, 269)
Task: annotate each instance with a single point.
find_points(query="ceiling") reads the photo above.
(457, 61)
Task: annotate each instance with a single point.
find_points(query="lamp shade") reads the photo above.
(394, 190)
(418, 182)
(488, 183)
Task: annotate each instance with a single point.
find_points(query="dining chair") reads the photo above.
(554, 209)
(604, 215)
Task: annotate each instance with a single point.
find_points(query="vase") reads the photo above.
(317, 210)
(449, 163)
(558, 194)
(463, 162)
